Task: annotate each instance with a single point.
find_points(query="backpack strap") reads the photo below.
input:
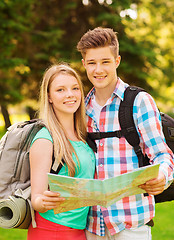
(127, 122)
(128, 125)
(55, 167)
(99, 135)
(128, 129)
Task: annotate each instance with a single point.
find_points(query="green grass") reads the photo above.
(13, 234)
(163, 229)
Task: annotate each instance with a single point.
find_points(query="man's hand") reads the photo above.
(155, 186)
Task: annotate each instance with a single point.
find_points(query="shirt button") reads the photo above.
(101, 165)
(101, 144)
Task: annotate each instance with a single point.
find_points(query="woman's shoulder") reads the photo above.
(43, 133)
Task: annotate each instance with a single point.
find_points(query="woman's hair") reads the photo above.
(61, 145)
(99, 37)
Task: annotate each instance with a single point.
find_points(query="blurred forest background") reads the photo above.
(35, 34)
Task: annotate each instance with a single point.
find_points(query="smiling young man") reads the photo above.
(129, 217)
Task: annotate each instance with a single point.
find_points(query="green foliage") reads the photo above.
(35, 34)
(2, 131)
(153, 30)
(14, 22)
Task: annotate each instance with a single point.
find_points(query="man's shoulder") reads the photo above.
(120, 89)
(144, 98)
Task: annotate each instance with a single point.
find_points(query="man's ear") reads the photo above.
(118, 60)
(83, 62)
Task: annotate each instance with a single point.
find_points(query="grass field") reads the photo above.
(164, 219)
(163, 229)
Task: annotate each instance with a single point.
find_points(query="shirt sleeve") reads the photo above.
(44, 134)
(148, 122)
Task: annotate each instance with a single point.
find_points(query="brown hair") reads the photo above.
(99, 37)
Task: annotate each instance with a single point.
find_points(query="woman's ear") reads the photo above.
(49, 99)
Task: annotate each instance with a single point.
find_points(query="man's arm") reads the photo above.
(148, 122)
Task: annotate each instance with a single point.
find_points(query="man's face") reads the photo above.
(100, 65)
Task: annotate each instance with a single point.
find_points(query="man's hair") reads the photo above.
(99, 37)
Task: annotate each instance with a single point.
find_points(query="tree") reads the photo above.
(13, 23)
(57, 27)
(153, 28)
(38, 33)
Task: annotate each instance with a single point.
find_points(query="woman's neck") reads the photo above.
(68, 125)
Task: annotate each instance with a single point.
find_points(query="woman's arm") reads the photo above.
(40, 163)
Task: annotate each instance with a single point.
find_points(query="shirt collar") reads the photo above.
(118, 91)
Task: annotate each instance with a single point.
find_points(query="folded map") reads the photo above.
(80, 192)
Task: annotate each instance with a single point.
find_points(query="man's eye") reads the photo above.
(106, 62)
(91, 63)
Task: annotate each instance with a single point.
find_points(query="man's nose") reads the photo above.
(98, 68)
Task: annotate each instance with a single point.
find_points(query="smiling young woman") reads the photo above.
(63, 113)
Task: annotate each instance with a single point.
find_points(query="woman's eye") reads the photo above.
(76, 88)
(60, 90)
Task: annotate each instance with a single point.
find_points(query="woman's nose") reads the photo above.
(69, 93)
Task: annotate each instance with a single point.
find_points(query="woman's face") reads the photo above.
(64, 94)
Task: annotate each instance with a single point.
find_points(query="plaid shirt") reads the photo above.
(115, 156)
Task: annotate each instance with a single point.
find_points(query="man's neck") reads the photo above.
(101, 99)
(102, 95)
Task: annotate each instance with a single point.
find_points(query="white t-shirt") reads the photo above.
(97, 109)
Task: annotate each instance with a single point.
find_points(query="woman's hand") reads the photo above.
(48, 200)
(51, 200)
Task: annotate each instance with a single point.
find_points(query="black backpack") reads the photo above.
(128, 130)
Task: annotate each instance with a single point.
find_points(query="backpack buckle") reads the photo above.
(119, 133)
(130, 129)
(137, 150)
(171, 132)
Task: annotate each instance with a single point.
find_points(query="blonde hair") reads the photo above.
(61, 145)
(99, 37)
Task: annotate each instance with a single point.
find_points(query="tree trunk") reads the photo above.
(31, 112)
(6, 116)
